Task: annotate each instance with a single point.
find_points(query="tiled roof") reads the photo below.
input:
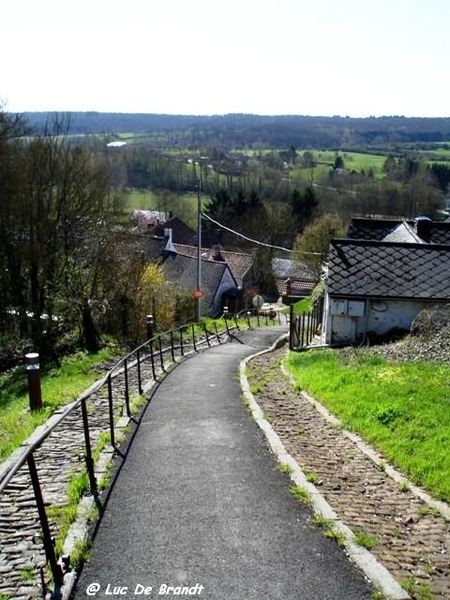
(389, 270)
(239, 263)
(285, 267)
(181, 233)
(296, 288)
(371, 229)
(153, 248)
(403, 233)
(418, 230)
(182, 271)
(439, 233)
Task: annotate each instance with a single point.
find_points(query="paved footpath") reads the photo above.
(198, 508)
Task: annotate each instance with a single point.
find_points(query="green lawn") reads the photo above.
(183, 206)
(58, 387)
(403, 409)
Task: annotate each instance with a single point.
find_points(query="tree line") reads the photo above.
(247, 130)
(69, 269)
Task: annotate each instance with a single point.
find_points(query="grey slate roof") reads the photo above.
(371, 229)
(285, 267)
(361, 268)
(439, 233)
(181, 233)
(430, 232)
(239, 263)
(403, 233)
(182, 271)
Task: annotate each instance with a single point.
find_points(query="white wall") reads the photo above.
(379, 316)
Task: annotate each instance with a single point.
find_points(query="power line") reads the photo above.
(244, 237)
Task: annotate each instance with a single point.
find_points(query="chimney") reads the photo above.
(217, 254)
(423, 228)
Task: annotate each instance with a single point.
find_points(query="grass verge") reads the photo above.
(403, 409)
(58, 387)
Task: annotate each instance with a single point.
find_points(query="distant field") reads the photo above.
(353, 161)
(183, 206)
(441, 154)
(142, 200)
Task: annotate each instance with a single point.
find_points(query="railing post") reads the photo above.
(226, 323)
(152, 358)
(111, 412)
(206, 334)
(88, 457)
(49, 548)
(172, 349)
(127, 391)
(161, 356)
(193, 337)
(291, 327)
(138, 364)
(181, 341)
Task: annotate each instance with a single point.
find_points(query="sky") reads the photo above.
(203, 57)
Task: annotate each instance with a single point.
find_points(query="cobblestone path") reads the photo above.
(59, 458)
(413, 538)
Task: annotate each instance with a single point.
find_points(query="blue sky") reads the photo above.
(326, 57)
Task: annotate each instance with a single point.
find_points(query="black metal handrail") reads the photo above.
(149, 361)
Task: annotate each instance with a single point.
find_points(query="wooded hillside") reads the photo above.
(265, 131)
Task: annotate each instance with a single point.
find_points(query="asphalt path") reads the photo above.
(199, 509)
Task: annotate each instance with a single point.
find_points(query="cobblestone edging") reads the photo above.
(413, 534)
(58, 459)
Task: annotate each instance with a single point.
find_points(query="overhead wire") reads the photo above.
(258, 243)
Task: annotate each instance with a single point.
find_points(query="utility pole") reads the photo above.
(198, 292)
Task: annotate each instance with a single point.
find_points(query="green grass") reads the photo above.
(353, 161)
(80, 552)
(284, 468)
(301, 494)
(419, 591)
(401, 408)
(181, 205)
(65, 515)
(141, 200)
(365, 540)
(58, 387)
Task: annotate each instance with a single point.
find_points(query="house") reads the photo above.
(374, 287)
(293, 279)
(147, 220)
(181, 232)
(218, 283)
(239, 263)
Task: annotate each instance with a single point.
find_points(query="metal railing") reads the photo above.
(304, 327)
(81, 424)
